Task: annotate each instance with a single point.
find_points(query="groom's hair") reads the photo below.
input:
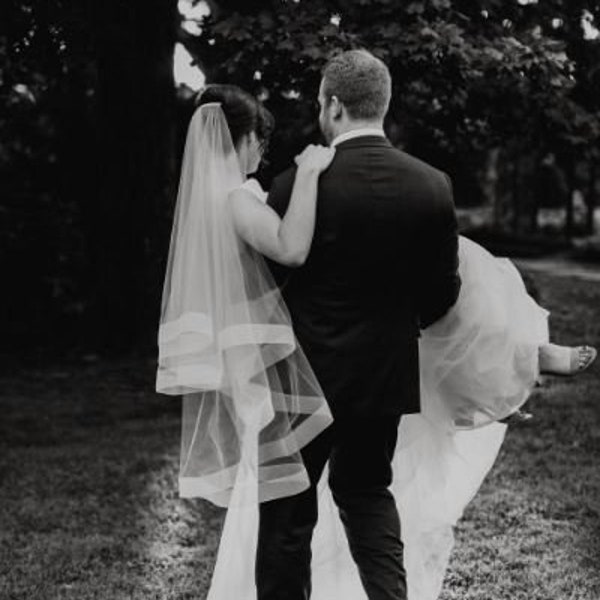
(361, 82)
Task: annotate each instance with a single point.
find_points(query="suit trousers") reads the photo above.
(360, 451)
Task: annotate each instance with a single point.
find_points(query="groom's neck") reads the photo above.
(349, 126)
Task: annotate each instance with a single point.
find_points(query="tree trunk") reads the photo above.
(533, 215)
(135, 108)
(534, 193)
(490, 186)
(569, 208)
(591, 200)
(516, 196)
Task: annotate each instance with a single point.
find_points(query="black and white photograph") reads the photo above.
(301, 300)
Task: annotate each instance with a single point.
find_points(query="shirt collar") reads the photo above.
(350, 135)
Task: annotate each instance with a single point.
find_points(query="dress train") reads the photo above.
(479, 364)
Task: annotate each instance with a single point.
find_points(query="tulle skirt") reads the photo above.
(478, 365)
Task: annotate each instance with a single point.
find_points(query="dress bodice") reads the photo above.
(253, 186)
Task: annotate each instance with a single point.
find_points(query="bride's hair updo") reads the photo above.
(244, 113)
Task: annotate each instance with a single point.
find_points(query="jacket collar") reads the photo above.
(355, 133)
(365, 141)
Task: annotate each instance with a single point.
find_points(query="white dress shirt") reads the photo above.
(350, 135)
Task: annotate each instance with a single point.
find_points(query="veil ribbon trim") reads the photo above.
(251, 401)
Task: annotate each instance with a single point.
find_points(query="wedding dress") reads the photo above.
(479, 364)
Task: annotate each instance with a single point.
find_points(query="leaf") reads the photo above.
(415, 8)
(429, 33)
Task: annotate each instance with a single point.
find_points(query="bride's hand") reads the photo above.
(315, 158)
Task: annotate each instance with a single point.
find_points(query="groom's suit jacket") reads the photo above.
(382, 266)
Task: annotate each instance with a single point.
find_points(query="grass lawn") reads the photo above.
(89, 509)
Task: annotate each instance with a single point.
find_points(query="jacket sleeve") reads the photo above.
(279, 198)
(440, 280)
(281, 192)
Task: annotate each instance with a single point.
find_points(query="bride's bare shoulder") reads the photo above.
(250, 188)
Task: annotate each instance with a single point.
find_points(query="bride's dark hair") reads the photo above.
(244, 113)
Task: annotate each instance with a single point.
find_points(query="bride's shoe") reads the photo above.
(517, 418)
(557, 360)
(565, 360)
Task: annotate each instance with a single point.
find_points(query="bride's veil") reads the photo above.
(226, 344)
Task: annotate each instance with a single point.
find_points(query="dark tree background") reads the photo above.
(502, 94)
(87, 168)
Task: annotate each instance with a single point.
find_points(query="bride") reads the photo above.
(251, 401)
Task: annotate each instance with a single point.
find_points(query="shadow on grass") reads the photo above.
(88, 496)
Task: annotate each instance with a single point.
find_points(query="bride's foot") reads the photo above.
(565, 360)
(518, 417)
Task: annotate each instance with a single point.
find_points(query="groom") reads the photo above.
(383, 265)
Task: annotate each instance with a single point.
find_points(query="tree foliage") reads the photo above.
(469, 75)
(88, 164)
(85, 157)
(45, 83)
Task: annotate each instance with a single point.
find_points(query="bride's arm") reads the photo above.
(285, 240)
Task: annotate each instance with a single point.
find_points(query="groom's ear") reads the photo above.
(336, 107)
